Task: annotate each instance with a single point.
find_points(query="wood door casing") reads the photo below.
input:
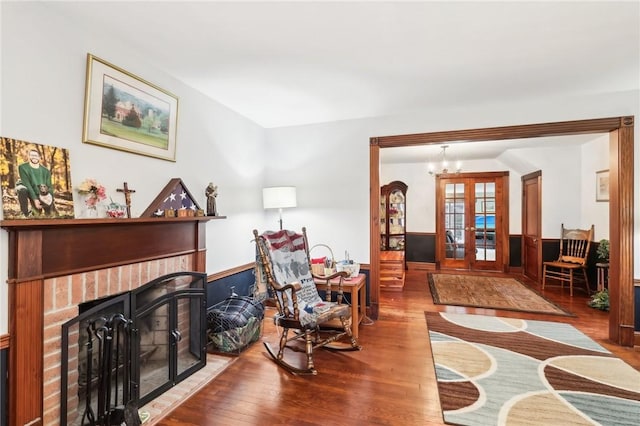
(621, 187)
(531, 225)
(467, 233)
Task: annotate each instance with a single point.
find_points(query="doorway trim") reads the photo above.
(621, 177)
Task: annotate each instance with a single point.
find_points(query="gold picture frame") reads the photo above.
(602, 185)
(124, 112)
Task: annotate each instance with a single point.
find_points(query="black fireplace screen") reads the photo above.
(122, 352)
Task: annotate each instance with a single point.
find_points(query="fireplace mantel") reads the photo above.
(43, 249)
(49, 248)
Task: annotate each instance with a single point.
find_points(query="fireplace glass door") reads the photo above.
(125, 350)
(169, 334)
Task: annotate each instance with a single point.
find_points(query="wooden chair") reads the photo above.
(283, 258)
(574, 249)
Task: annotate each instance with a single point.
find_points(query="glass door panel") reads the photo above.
(393, 216)
(485, 221)
(155, 350)
(383, 223)
(454, 219)
(187, 334)
(396, 220)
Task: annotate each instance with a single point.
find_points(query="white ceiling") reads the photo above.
(300, 62)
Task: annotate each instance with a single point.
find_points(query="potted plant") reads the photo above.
(603, 251)
(600, 300)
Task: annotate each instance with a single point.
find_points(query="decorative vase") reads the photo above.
(91, 207)
(90, 212)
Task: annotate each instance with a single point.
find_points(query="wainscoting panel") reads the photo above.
(515, 251)
(4, 357)
(420, 247)
(637, 310)
(222, 285)
(242, 280)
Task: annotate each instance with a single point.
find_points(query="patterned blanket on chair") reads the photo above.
(289, 264)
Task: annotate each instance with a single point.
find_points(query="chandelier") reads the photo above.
(444, 164)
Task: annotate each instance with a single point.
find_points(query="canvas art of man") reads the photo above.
(35, 181)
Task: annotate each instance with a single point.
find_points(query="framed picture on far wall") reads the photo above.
(36, 181)
(602, 185)
(127, 113)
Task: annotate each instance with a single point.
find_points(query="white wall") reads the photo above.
(43, 77)
(329, 166)
(421, 193)
(561, 195)
(595, 157)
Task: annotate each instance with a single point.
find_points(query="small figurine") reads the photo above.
(211, 193)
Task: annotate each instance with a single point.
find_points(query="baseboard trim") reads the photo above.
(4, 341)
(421, 266)
(229, 272)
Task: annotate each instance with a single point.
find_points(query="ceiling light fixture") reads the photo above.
(444, 164)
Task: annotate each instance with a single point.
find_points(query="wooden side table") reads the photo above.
(603, 276)
(357, 295)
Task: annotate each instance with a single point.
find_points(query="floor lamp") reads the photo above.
(279, 197)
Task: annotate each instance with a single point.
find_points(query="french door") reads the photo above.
(472, 221)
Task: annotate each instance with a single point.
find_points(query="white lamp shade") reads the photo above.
(279, 197)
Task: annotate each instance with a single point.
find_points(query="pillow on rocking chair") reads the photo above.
(289, 264)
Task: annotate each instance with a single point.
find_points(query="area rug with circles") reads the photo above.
(508, 371)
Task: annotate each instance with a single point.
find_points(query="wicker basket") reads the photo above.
(320, 268)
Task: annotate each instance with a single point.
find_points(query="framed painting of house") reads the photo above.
(124, 112)
(36, 181)
(602, 185)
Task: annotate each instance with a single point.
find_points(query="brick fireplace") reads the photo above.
(54, 265)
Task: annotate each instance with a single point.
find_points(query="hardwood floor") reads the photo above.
(390, 382)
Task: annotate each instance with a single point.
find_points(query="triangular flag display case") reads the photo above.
(174, 200)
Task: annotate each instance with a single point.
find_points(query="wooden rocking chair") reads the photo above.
(283, 258)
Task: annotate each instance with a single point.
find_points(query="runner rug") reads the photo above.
(489, 292)
(506, 371)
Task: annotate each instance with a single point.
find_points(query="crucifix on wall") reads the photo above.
(127, 197)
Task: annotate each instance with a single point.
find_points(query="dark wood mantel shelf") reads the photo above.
(37, 223)
(50, 248)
